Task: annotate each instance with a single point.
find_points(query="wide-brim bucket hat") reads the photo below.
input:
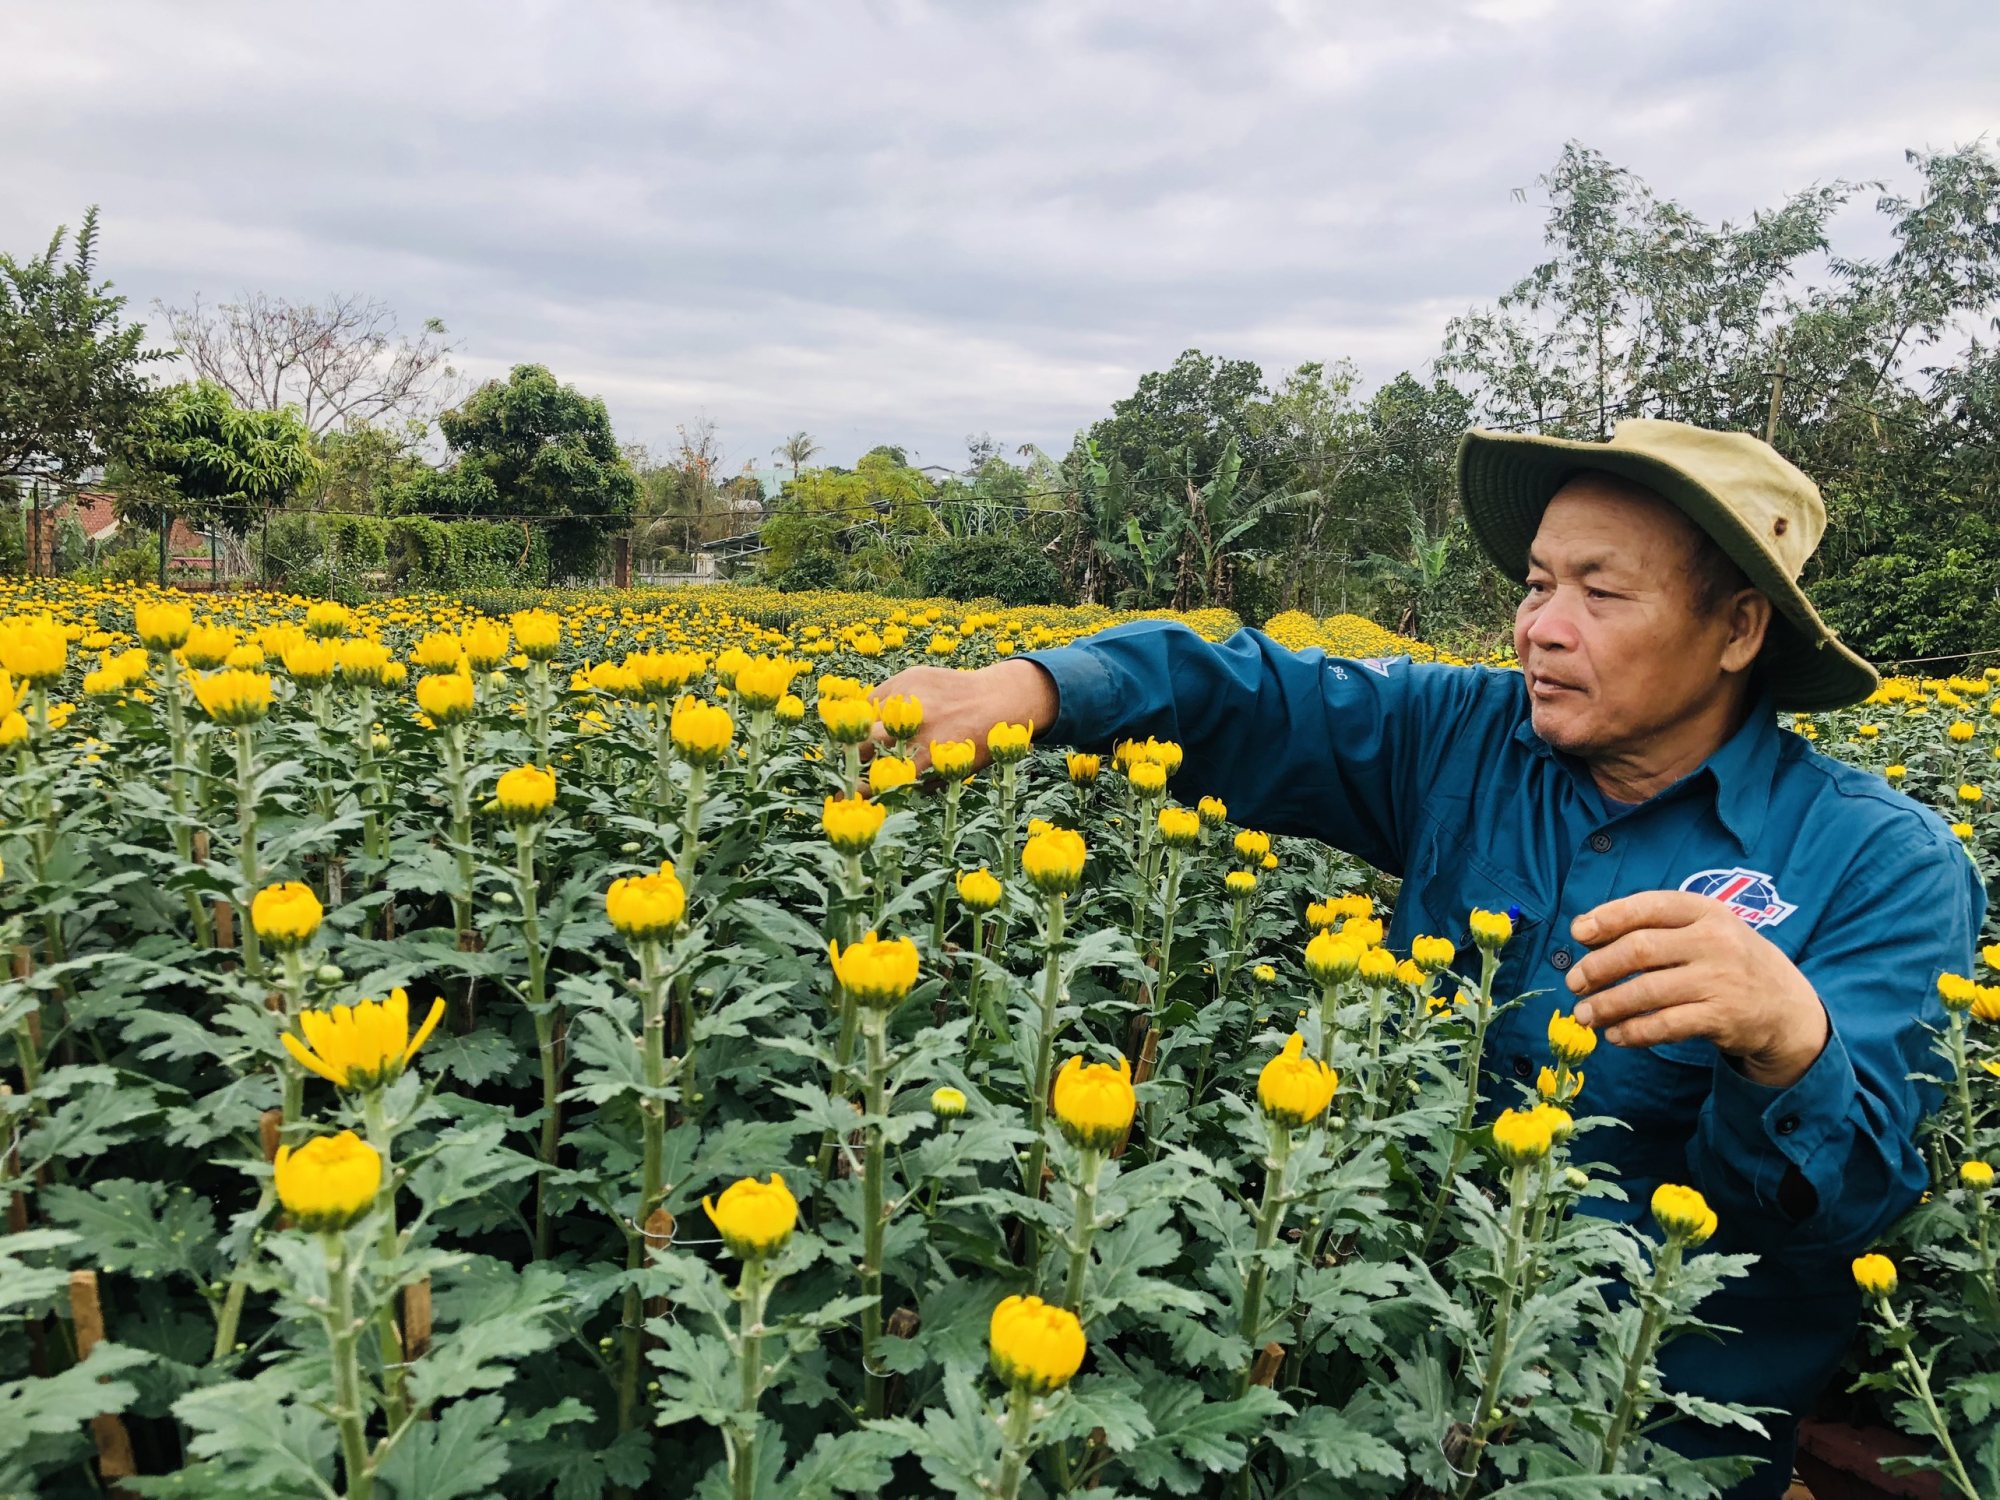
(1757, 506)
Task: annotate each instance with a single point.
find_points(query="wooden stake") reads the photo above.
(114, 1443)
(417, 1319)
(1269, 1359)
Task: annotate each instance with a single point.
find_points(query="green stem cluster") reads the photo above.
(1045, 1047)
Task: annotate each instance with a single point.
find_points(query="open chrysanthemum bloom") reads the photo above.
(645, 908)
(1293, 1088)
(363, 1046)
(875, 972)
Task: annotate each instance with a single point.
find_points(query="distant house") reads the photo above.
(95, 514)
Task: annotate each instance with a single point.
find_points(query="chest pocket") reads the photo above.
(1444, 885)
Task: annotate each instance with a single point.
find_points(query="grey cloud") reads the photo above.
(902, 221)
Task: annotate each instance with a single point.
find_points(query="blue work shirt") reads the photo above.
(1435, 773)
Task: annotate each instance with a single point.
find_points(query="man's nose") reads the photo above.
(1553, 628)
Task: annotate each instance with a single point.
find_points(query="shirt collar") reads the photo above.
(1739, 774)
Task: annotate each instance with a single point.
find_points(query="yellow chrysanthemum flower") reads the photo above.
(1052, 860)
(208, 647)
(948, 1103)
(1083, 769)
(875, 972)
(1875, 1275)
(538, 633)
(1093, 1104)
(701, 732)
(1293, 1089)
(234, 698)
(286, 915)
(1180, 827)
(1977, 1175)
(1958, 993)
(445, 697)
(1035, 1346)
(1333, 957)
(34, 649)
(901, 716)
(1240, 883)
(329, 1182)
(362, 662)
(162, 628)
(1007, 743)
(1377, 968)
(646, 908)
(310, 663)
(1683, 1213)
(364, 1046)
(1432, 954)
(1148, 777)
(851, 823)
(953, 759)
(754, 1218)
(890, 773)
(526, 793)
(978, 889)
(1523, 1137)
(1570, 1040)
(1491, 930)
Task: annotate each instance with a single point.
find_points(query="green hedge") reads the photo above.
(348, 556)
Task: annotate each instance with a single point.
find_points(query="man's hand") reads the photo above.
(966, 705)
(1701, 971)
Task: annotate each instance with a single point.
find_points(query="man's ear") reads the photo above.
(1749, 615)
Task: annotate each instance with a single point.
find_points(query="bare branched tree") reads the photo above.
(342, 362)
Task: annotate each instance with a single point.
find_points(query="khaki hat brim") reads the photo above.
(1506, 480)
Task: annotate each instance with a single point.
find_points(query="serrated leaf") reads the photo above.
(461, 1453)
(140, 1227)
(1326, 1438)
(59, 1403)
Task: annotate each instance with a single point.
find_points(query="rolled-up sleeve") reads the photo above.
(1909, 910)
(1294, 742)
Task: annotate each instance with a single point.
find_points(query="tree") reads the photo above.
(70, 377)
(1198, 405)
(200, 458)
(548, 454)
(797, 450)
(341, 362)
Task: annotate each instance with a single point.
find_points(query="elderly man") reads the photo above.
(1755, 928)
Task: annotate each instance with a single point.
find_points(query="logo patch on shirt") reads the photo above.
(1379, 665)
(1751, 894)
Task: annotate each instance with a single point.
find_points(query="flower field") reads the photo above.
(463, 1053)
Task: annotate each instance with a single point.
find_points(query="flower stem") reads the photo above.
(1038, 1104)
(382, 1136)
(1469, 1086)
(1666, 1263)
(177, 740)
(461, 824)
(873, 1219)
(1016, 1434)
(1270, 1214)
(1084, 1230)
(1500, 1343)
(740, 1436)
(249, 864)
(343, 1335)
(1918, 1382)
(547, 1019)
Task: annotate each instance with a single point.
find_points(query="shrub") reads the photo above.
(995, 567)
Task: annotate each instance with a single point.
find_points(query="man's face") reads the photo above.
(1610, 639)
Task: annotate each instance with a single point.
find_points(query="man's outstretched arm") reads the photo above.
(1293, 742)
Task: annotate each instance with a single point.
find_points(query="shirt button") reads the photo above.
(1787, 1125)
(1522, 1067)
(1560, 958)
(1601, 842)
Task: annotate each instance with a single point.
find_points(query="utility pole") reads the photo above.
(1777, 394)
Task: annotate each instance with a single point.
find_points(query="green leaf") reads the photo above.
(257, 1437)
(461, 1453)
(501, 1315)
(958, 1443)
(1325, 1438)
(1109, 1402)
(1195, 1436)
(139, 1227)
(852, 1463)
(35, 1407)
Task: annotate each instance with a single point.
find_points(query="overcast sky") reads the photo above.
(907, 222)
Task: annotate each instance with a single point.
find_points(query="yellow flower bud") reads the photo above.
(208, 647)
(978, 889)
(1958, 993)
(1035, 1347)
(1432, 954)
(1977, 1175)
(34, 649)
(1180, 828)
(1251, 846)
(1083, 768)
(848, 721)
(791, 709)
(1523, 1137)
(286, 915)
(1264, 974)
(162, 627)
(1491, 930)
(1007, 743)
(1378, 967)
(874, 972)
(948, 1103)
(329, 1182)
(754, 1218)
(1214, 811)
(901, 716)
(890, 773)
(538, 633)
(701, 732)
(851, 823)
(1333, 957)
(1053, 861)
(310, 663)
(1571, 1041)
(953, 759)
(1293, 1089)
(644, 908)
(446, 697)
(526, 793)
(1093, 1105)
(1240, 883)
(1875, 1275)
(234, 698)
(1148, 777)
